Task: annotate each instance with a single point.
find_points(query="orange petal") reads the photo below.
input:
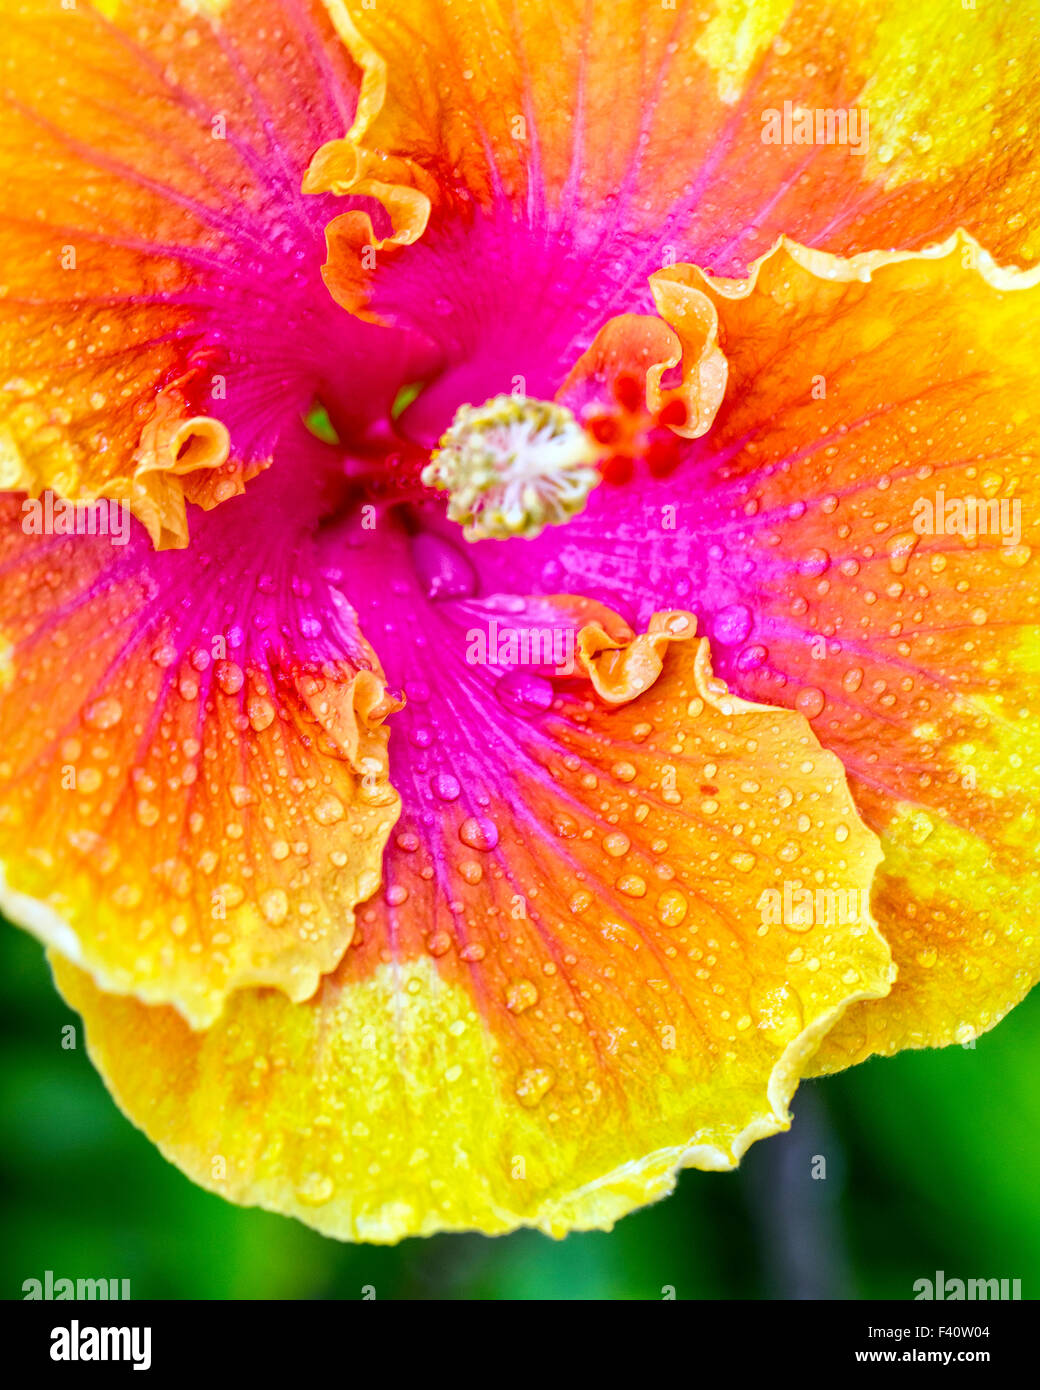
(871, 404)
(686, 124)
(553, 1006)
(161, 265)
(187, 806)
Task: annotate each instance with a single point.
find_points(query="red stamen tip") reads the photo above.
(628, 392)
(618, 469)
(673, 413)
(604, 429)
(662, 456)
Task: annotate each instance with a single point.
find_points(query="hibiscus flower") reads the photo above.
(569, 669)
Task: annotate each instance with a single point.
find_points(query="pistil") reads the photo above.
(513, 466)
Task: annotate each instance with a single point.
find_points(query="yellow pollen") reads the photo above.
(513, 466)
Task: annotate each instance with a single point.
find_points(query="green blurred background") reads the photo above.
(933, 1162)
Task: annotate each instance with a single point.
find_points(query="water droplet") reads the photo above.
(521, 995)
(164, 655)
(446, 787)
(524, 693)
(810, 702)
(779, 1012)
(816, 562)
(532, 1084)
(230, 677)
(275, 906)
(900, 548)
(479, 832)
(671, 908)
(751, 658)
(315, 1190)
(329, 810)
(852, 679)
(732, 625)
(921, 827)
(1015, 556)
(260, 713)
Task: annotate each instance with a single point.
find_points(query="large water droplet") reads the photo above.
(532, 1084)
(852, 679)
(275, 906)
(230, 677)
(751, 658)
(315, 1190)
(446, 787)
(524, 693)
(900, 548)
(521, 995)
(732, 625)
(479, 832)
(103, 714)
(329, 810)
(810, 702)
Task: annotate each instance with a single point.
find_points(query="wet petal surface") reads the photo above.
(569, 986)
(194, 779)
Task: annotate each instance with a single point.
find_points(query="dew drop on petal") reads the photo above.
(103, 714)
(732, 625)
(751, 658)
(809, 702)
(852, 679)
(479, 832)
(532, 1084)
(442, 569)
(446, 786)
(900, 548)
(230, 677)
(315, 1190)
(260, 713)
(329, 810)
(671, 908)
(521, 995)
(524, 693)
(275, 906)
